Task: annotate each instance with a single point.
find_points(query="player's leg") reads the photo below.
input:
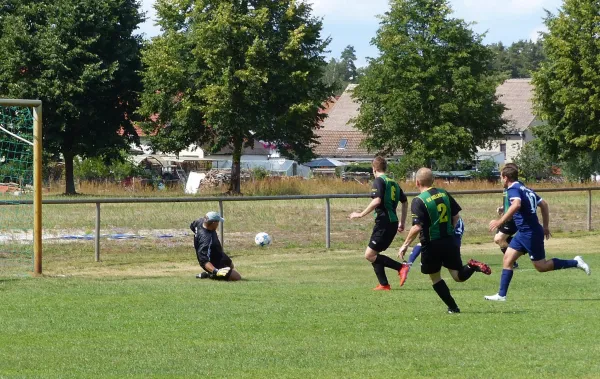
(459, 272)
(407, 266)
(381, 238)
(416, 251)
(431, 264)
(513, 253)
(541, 264)
(233, 274)
(503, 237)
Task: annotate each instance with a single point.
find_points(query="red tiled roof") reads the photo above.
(329, 144)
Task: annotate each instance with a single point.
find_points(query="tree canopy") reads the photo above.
(567, 86)
(519, 60)
(340, 73)
(81, 58)
(431, 92)
(229, 73)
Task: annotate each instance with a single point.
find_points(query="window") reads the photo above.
(343, 143)
(503, 149)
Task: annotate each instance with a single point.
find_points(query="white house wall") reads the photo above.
(513, 143)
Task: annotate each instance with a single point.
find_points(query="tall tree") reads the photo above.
(567, 86)
(228, 73)
(430, 93)
(81, 58)
(340, 73)
(348, 59)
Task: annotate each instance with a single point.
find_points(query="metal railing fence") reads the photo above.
(224, 199)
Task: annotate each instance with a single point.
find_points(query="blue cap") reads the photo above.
(213, 216)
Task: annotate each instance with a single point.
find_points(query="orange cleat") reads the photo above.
(382, 288)
(403, 273)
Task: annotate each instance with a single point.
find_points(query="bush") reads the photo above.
(533, 162)
(259, 173)
(487, 170)
(93, 169)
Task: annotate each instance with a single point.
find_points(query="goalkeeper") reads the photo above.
(216, 264)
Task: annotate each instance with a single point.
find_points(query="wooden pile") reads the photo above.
(216, 178)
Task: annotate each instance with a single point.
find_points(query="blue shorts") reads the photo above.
(530, 242)
(458, 239)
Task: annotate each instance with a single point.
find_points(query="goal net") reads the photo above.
(19, 192)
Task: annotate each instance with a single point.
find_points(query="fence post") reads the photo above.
(327, 224)
(221, 224)
(97, 236)
(589, 211)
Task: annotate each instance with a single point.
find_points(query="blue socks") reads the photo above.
(414, 254)
(560, 264)
(505, 281)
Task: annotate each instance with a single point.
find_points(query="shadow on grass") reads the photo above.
(498, 311)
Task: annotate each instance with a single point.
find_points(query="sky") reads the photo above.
(355, 22)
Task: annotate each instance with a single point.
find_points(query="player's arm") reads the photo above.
(412, 234)
(372, 205)
(454, 210)
(417, 217)
(404, 202)
(403, 216)
(515, 205)
(377, 193)
(455, 219)
(545, 216)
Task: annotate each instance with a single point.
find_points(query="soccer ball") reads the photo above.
(262, 239)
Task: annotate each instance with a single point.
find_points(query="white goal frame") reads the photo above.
(36, 105)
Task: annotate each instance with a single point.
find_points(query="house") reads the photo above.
(337, 136)
(516, 95)
(340, 140)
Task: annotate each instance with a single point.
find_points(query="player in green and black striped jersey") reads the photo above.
(386, 194)
(435, 214)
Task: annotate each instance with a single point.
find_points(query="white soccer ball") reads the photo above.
(262, 239)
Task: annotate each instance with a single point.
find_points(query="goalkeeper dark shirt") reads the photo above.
(207, 244)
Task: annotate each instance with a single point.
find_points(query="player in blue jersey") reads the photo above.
(459, 229)
(530, 237)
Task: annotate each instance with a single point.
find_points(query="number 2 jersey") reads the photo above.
(433, 210)
(526, 217)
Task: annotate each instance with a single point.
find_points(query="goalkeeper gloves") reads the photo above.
(222, 273)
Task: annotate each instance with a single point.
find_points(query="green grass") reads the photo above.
(300, 312)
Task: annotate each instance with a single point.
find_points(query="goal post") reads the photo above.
(35, 106)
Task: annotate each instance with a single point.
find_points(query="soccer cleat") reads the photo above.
(453, 310)
(203, 275)
(515, 265)
(582, 265)
(479, 267)
(495, 297)
(382, 288)
(403, 273)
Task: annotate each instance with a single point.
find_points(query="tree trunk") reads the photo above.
(234, 186)
(69, 179)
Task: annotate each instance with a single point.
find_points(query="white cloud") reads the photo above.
(349, 10)
(478, 10)
(535, 34)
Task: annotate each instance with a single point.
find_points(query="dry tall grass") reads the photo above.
(274, 186)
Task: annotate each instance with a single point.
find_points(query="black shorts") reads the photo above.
(383, 235)
(508, 228)
(220, 261)
(443, 252)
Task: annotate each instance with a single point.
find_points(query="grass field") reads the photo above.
(302, 311)
(299, 312)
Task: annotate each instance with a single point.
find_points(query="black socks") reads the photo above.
(444, 293)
